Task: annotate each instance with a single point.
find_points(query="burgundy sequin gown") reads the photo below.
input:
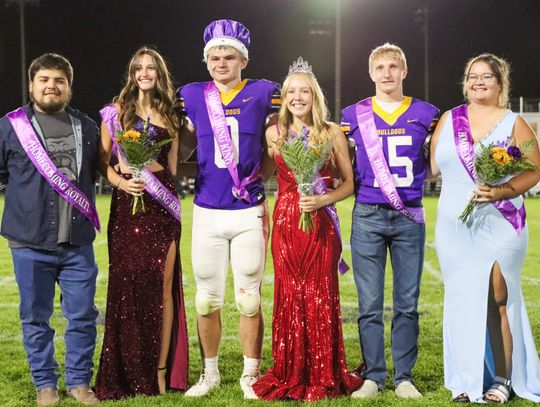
(138, 247)
(307, 340)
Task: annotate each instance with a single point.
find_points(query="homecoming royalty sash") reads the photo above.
(225, 144)
(39, 157)
(370, 138)
(465, 149)
(319, 188)
(153, 186)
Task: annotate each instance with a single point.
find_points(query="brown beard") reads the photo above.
(51, 107)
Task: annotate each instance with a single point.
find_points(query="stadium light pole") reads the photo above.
(22, 33)
(323, 27)
(337, 56)
(422, 16)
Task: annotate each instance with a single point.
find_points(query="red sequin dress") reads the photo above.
(307, 340)
(138, 247)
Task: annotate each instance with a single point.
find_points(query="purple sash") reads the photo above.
(153, 186)
(464, 146)
(225, 144)
(319, 188)
(370, 138)
(39, 157)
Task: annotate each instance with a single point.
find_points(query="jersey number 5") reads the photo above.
(232, 124)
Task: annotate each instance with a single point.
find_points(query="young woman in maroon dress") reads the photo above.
(145, 346)
(307, 340)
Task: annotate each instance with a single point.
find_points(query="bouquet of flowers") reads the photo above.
(494, 162)
(140, 148)
(305, 161)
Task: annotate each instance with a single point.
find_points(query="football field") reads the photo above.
(15, 382)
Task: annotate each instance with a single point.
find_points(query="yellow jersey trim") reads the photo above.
(227, 97)
(391, 118)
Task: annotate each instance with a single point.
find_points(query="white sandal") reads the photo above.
(501, 389)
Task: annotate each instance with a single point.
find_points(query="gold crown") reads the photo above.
(300, 66)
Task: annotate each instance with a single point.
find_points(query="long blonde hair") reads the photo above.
(163, 98)
(321, 128)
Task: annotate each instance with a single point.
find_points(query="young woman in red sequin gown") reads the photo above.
(307, 340)
(145, 347)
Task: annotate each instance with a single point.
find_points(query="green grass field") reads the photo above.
(15, 382)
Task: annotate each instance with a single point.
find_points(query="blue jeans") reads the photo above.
(37, 272)
(375, 230)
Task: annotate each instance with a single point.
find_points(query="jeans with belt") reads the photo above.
(377, 229)
(37, 272)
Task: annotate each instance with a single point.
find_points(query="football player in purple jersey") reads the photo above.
(389, 131)
(228, 116)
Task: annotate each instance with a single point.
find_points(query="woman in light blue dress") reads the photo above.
(489, 349)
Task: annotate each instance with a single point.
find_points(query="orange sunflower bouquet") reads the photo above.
(495, 162)
(140, 147)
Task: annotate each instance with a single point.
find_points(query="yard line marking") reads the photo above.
(7, 281)
(193, 339)
(433, 271)
(531, 280)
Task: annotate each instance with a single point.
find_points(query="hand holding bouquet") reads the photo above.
(140, 148)
(305, 161)
(495, 162)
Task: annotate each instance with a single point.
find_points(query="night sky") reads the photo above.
(99, 36)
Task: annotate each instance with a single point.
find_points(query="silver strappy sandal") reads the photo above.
(500, 389)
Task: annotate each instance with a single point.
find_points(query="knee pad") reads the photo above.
(248, 302)
(204, 304)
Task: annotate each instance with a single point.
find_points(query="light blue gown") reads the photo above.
(466, 254)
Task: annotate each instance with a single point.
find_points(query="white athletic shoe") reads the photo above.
(406, 390)
(368, 390)
(203, 387)
(246, 381)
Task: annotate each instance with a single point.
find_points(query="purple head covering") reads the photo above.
(226, 33)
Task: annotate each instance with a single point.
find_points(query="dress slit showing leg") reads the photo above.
(467, 252)
(138, 248)
(489, 357)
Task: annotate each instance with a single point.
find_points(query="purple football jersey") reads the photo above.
(246, 115)
(402, 134)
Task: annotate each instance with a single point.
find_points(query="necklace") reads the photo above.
(146, 114)
(493, 128)
(490, 132)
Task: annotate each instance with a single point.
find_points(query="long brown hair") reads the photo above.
(163, 97)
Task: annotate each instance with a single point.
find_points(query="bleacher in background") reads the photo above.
(529, 108)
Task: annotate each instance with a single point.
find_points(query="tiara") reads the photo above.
(300, 66)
